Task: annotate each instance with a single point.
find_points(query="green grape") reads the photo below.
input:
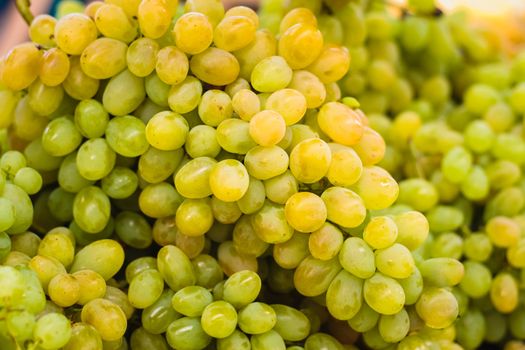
(219, 319)
(477, 279)
(127, 136)
(395, 261)
(120, 183)
(20, 325)
(233, 136)
(78, 84)
(280, 188)
(95, 159)
(106, 317)
(156, 165)
(186, 333)
(357, 258)
(145, 288)
(11, 162)
(167, 131)
(365, 319)
(502, 173)
(142, 340)
(43, 99)
(245, 239)
(264, 163)
(237, 340)
(191, 301)
(157, 90)
(5, 245)
(242, 288)
(292, 324)
(83, 337)
(91, 209)
(175, 268)
(141, 56)
(271, 74)
(312, 277)
(456, 164)
(13, 286)
(437, 307)
(290, 253)
(326, 242)
(60, 137)
(394, 328)
(322, 341)
(57, 244)
(7, 214)
(28, 179)
(498, 327)
(21, 206)
(215, 66)
(257, 318)
(157, 317)
(383, 294)
(268, 340)
(471, 329)
(448, 245)
(91, 118)
(442, 272)
(119, 298)
(194, 217)
(207, 271)
(418, 194)
(444, 218)
(52, 331)
(344, 296)
(133, 229)
(270, 224)
(159, 200)
(104, 256)
(185, 96)
(123, 93)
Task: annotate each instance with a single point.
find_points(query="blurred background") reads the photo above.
(505, 17)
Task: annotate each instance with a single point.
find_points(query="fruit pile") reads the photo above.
(192, 178)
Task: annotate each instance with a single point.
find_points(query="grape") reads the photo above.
(64, 290)
(106, 317)
(383, 294)
(271, 74)
(175, 267)
(288, 316)
(20, 67)
(104, 256)
(83, 336)
(44, 100)
(52, 331)
(215, 66)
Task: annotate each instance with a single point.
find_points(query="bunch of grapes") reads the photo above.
(449, 104)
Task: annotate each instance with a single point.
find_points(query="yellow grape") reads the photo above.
(213, 9)
(380, 232)
(310, 160)
(346, 166)
(172, 65)
(264, 163)
(371, 147)
(74, 32)
(267, 128)
(297, 15)
(27, 124)
(246, 104)
(234, 32)
(243, 11)
(42, 30)
(300, 45)
(64, 290)
(289, 103)
(215, 66)
(333, 92)
(131, 7)
(154, 18)
(167, 131)
(264, 45)
(8, 101)
(377, 188)
(332, 64)
(186, 96)
(345, 207)
(54, 67)
(310, 86)
(92, 285)
(106, 317)
(238, 84)
(104, 58)
(20, 66)
(112, 22)
(77, 84)
(305, 211)
(141, 56)
(340, 123)
(92, 8)
(192, 33)
(229, 180)
(43, 99)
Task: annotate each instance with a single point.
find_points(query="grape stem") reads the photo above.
(23, 7)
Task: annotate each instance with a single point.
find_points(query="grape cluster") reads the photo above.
(210, 179)
(449, 103)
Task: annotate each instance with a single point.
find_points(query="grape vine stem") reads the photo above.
(23, 7)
